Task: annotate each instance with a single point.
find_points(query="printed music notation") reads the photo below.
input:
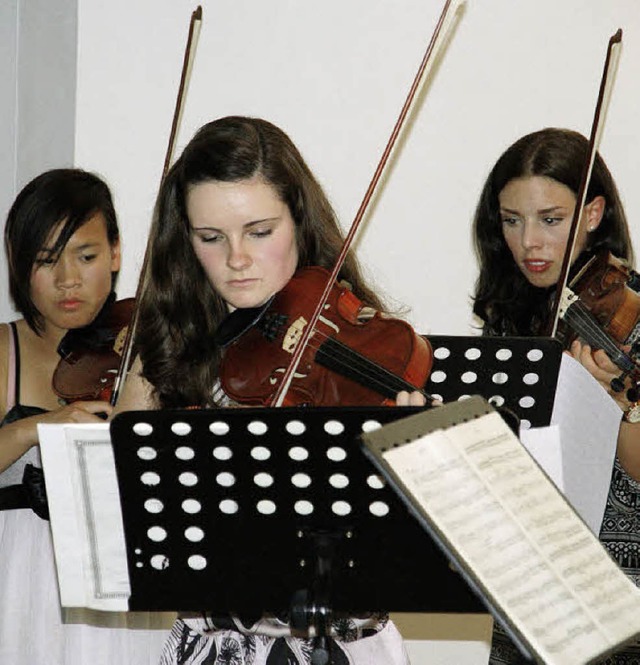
(473, 485)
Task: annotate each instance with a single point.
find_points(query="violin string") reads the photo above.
(365, 368)
(585, 324)
(359, 365)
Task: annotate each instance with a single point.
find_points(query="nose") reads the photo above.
(238, 258)
(531, 235)
(67, 273)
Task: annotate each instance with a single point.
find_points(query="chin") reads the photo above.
(246, 303)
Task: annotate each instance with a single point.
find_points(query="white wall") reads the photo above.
(334, 75)
(8, 47)
(37, 87)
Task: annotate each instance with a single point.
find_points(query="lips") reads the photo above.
(537, 265)
(69, 305)
(241, 283)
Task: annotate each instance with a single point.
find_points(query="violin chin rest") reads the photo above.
(236, 323)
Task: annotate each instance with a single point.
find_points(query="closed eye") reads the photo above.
(261, 233)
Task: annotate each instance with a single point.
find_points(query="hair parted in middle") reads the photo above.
(180, 311)
(504, 299)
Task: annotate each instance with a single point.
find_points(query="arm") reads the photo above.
(17, 437)
(603, 370)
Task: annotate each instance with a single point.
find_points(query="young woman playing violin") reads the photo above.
(237, 215)
(520, 229)
(63, 248)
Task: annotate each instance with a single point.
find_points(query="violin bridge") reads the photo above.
(293, 335)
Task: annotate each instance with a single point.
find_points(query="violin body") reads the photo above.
(355, 355)
(90, 357)
(603, 287)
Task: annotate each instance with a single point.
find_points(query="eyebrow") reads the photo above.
(542, 211)
(248, 225)
(79, 248)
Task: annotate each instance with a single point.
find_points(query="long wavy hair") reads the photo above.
(180, 311)
(505, 301)
(69, 197)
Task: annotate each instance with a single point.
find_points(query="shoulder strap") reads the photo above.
(13, 374)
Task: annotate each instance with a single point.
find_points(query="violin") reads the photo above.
(355, 356)
(90, 356)
(602, 307)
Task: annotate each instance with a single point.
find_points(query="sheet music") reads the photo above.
(86, 521)
(480, 490)
(589, 421)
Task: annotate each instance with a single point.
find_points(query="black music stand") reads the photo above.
(517, 373)
(276, 511)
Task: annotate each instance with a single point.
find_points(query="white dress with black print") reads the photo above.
(205, 640)
(34, 629)
(226, 641)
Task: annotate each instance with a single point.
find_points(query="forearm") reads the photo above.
(15, 439)
(629, 448)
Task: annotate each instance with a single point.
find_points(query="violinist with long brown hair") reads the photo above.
(520, 230)
(238, 214)
(63, 248)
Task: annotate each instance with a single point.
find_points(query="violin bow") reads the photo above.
(438, 37)
(189, 54)
(604, 95)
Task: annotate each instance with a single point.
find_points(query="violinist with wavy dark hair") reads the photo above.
(520, 229)
(237, 215)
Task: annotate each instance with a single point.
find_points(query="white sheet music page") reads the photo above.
(529, 551)
(86, 521)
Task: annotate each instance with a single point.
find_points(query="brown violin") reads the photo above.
(90, 357)
(355, 356)
(602, 307)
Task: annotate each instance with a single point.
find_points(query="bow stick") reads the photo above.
(189, 54)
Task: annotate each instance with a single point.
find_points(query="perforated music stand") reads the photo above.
(254, 510)
(518, 373)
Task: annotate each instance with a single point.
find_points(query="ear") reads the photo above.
(594, 210)
(115, 256)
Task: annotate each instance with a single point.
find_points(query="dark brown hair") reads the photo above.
(180, 312)
(504, 299)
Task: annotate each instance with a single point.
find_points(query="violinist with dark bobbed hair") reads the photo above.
(520, 231)
(63, 248)
(71, 195)
(237, 215)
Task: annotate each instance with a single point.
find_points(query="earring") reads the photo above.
(590, 229)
